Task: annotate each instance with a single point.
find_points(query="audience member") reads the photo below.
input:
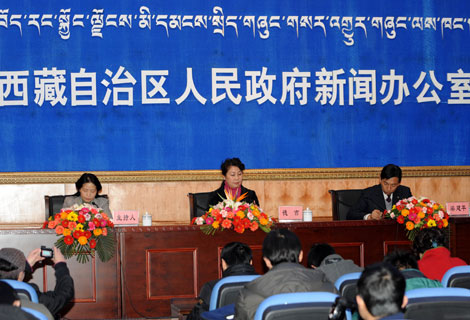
(381, 293)
(375, 200)
(282, 253)
(406, 263)
(236, 261)
(323, 257)
(430, 245)
(13, 265)
(10, 304)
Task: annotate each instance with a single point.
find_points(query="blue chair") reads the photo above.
(457, 277)
(296, 306)
(347, 288)
(23, 289)
(35, 313)
(438, 303)
(226, 290)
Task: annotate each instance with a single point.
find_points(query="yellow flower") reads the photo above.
(63, 215)
(83, 240)
(215, 224)
(72, 216)
(410, 225)
(255, 212)
(263, 221)
(97, 232)
(67, 232)
(405, 212)
(79, 227)
(241, 214)
(435, 206)
(210, 210)
(431, 223)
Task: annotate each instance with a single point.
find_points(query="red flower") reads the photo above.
(400, 219)
(92, 243)
(65, 223)
(87, 234)
(246, 223)
(96, 222)
(226, 224)
(44, 225)
(77, 234)
(414, 201)
(236, 220)
(68, 240)
(81, 218)
(239, 229)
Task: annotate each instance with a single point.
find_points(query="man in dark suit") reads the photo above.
(375, 200)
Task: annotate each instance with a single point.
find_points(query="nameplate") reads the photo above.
(126, 218)
(458, 208)
(290, 213)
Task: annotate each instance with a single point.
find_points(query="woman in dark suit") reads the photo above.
(232, 170)
(88, 187)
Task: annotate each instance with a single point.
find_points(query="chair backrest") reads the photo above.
(296, 306)
(198, 203)
(53, 204)
(226, 290)
(438, 303)
(347, 285)
(23, 289)
(457, 277)
(35, 313)
(342, 201)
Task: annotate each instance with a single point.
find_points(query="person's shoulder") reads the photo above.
(101, 200)
(373, 189)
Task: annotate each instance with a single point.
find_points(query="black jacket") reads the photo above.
(372, 198)
(215, 196)
(63, 292)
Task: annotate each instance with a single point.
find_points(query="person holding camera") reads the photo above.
(14, 265)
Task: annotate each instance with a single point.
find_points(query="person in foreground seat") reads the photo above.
(10, 304)
(375, 200)
(14, 265)
(430, 245)
(381, 292)
(236, 261)
(323, 257)
(282, 253)
(406, 263)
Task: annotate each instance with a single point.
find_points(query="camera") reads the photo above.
(46, 252)
(338, 310)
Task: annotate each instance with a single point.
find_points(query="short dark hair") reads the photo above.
(88, 177)
(429, 238)
(8, 295)
(236, 253)
(382, 287)
(281, 245)
(231, 162)
(318, 252)
(401, 259)
(391, 171)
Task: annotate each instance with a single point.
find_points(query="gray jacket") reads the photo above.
(98, 202)
(334, 266)
(283, 278)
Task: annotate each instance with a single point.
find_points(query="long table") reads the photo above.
(154, 264)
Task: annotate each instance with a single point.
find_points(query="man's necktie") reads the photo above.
(389, 199)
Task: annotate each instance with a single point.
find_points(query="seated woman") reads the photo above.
(430, 245)
(232, 170)
(88, 187)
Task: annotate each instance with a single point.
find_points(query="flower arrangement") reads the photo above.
(232, 213)
(83, 229)
(418, 214)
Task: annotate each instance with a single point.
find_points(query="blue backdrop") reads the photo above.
(169, 85)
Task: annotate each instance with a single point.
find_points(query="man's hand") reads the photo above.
(58, 256)
(375, 215)
(34, 257)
